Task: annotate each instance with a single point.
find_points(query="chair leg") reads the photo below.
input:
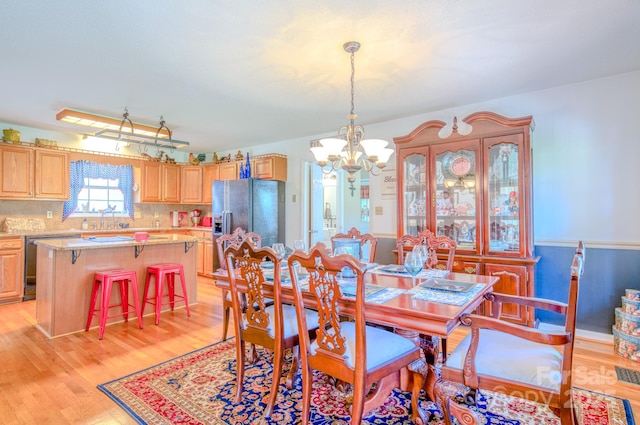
(134, 291)
(307, 378)
(159, 286)
(184, 292)
(226, 316)
(357, 408)
(171, 288)
(278, 358)
(240, 347)
(124, 297)
(92, 308)
(291, 376)
(104, 306)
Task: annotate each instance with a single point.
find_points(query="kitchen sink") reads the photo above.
(110, 238)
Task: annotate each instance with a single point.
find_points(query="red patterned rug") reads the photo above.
(198, 388)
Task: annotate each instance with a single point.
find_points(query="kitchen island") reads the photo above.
(66, 268)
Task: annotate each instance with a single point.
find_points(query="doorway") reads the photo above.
(333, 205)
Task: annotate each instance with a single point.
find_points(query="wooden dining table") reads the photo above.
(410, 312)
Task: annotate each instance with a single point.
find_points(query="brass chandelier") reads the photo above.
(343, 151)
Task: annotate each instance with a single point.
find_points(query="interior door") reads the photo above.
(316, 205)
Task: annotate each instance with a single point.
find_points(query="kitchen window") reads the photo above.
(97, 187)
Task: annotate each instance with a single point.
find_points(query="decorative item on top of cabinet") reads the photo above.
(476, 189)
(193, 160)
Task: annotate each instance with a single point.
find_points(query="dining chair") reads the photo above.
(366, 357)
(222, 242)
(517, 360)
(437, 244)
(434, 245)
(271, 326)
(368, 243)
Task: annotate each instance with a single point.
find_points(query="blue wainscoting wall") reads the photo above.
(607, 273)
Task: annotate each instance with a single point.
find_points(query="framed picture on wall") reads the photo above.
(389, 183)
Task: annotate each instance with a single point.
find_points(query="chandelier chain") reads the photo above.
(353, 72)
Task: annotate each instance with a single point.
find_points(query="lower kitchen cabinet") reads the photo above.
(11, 270)
(205, 253)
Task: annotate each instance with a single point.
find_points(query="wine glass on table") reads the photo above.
(413, 263)
(299, 244)
(346, 271)
(422, 251)
(279, 249)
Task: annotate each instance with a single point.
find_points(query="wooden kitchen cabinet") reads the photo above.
(11, 269)
(228, 170)
(205, 253)
(16, 176)
(476, 189)
(269, 167)
(210, 173)
(51, 174)
(160, 182)
(191, 182)
(31, 173)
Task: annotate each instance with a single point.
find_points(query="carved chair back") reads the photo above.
(368, 243)
(235, 238)
(340, 349)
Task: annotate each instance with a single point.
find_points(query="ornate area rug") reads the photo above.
(198, 388)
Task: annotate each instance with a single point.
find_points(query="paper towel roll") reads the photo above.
(174, 219)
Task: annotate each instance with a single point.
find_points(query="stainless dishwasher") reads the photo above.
(30, 259)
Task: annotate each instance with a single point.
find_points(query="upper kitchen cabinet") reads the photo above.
(210, 173)
(160, 182)
(269, 167)
(191, 184)
(228, 170)
(51, 174)
(476, 189)
(31, 173)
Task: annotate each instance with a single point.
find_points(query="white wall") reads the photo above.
(586, 149)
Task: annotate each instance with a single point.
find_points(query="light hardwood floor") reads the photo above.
(53, 381)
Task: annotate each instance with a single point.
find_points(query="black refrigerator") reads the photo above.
(255, 205)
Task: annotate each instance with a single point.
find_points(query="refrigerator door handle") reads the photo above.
(226, 222)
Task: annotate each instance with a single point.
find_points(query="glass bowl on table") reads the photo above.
(413, 263)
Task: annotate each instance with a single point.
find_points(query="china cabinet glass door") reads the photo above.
(414, 190)
(455, 195)
(504, 183)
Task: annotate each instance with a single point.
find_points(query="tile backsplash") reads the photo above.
(39, 209)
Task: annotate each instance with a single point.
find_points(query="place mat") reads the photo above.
(445, 297)
(348, 288)
(447, 285)
(397, 269)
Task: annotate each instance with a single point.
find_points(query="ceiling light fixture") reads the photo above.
(115, 129)
(344, 151)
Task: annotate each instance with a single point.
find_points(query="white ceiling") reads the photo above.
(228, 73)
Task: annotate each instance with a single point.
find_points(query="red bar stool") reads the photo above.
(164, 272)
(103, 282)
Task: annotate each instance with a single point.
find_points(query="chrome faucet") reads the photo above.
(102, 212)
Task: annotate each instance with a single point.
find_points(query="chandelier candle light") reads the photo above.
(344, 151)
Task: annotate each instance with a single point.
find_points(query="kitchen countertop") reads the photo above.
(81, 232)
(68, 244)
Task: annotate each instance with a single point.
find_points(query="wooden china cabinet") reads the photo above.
(476, 189)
